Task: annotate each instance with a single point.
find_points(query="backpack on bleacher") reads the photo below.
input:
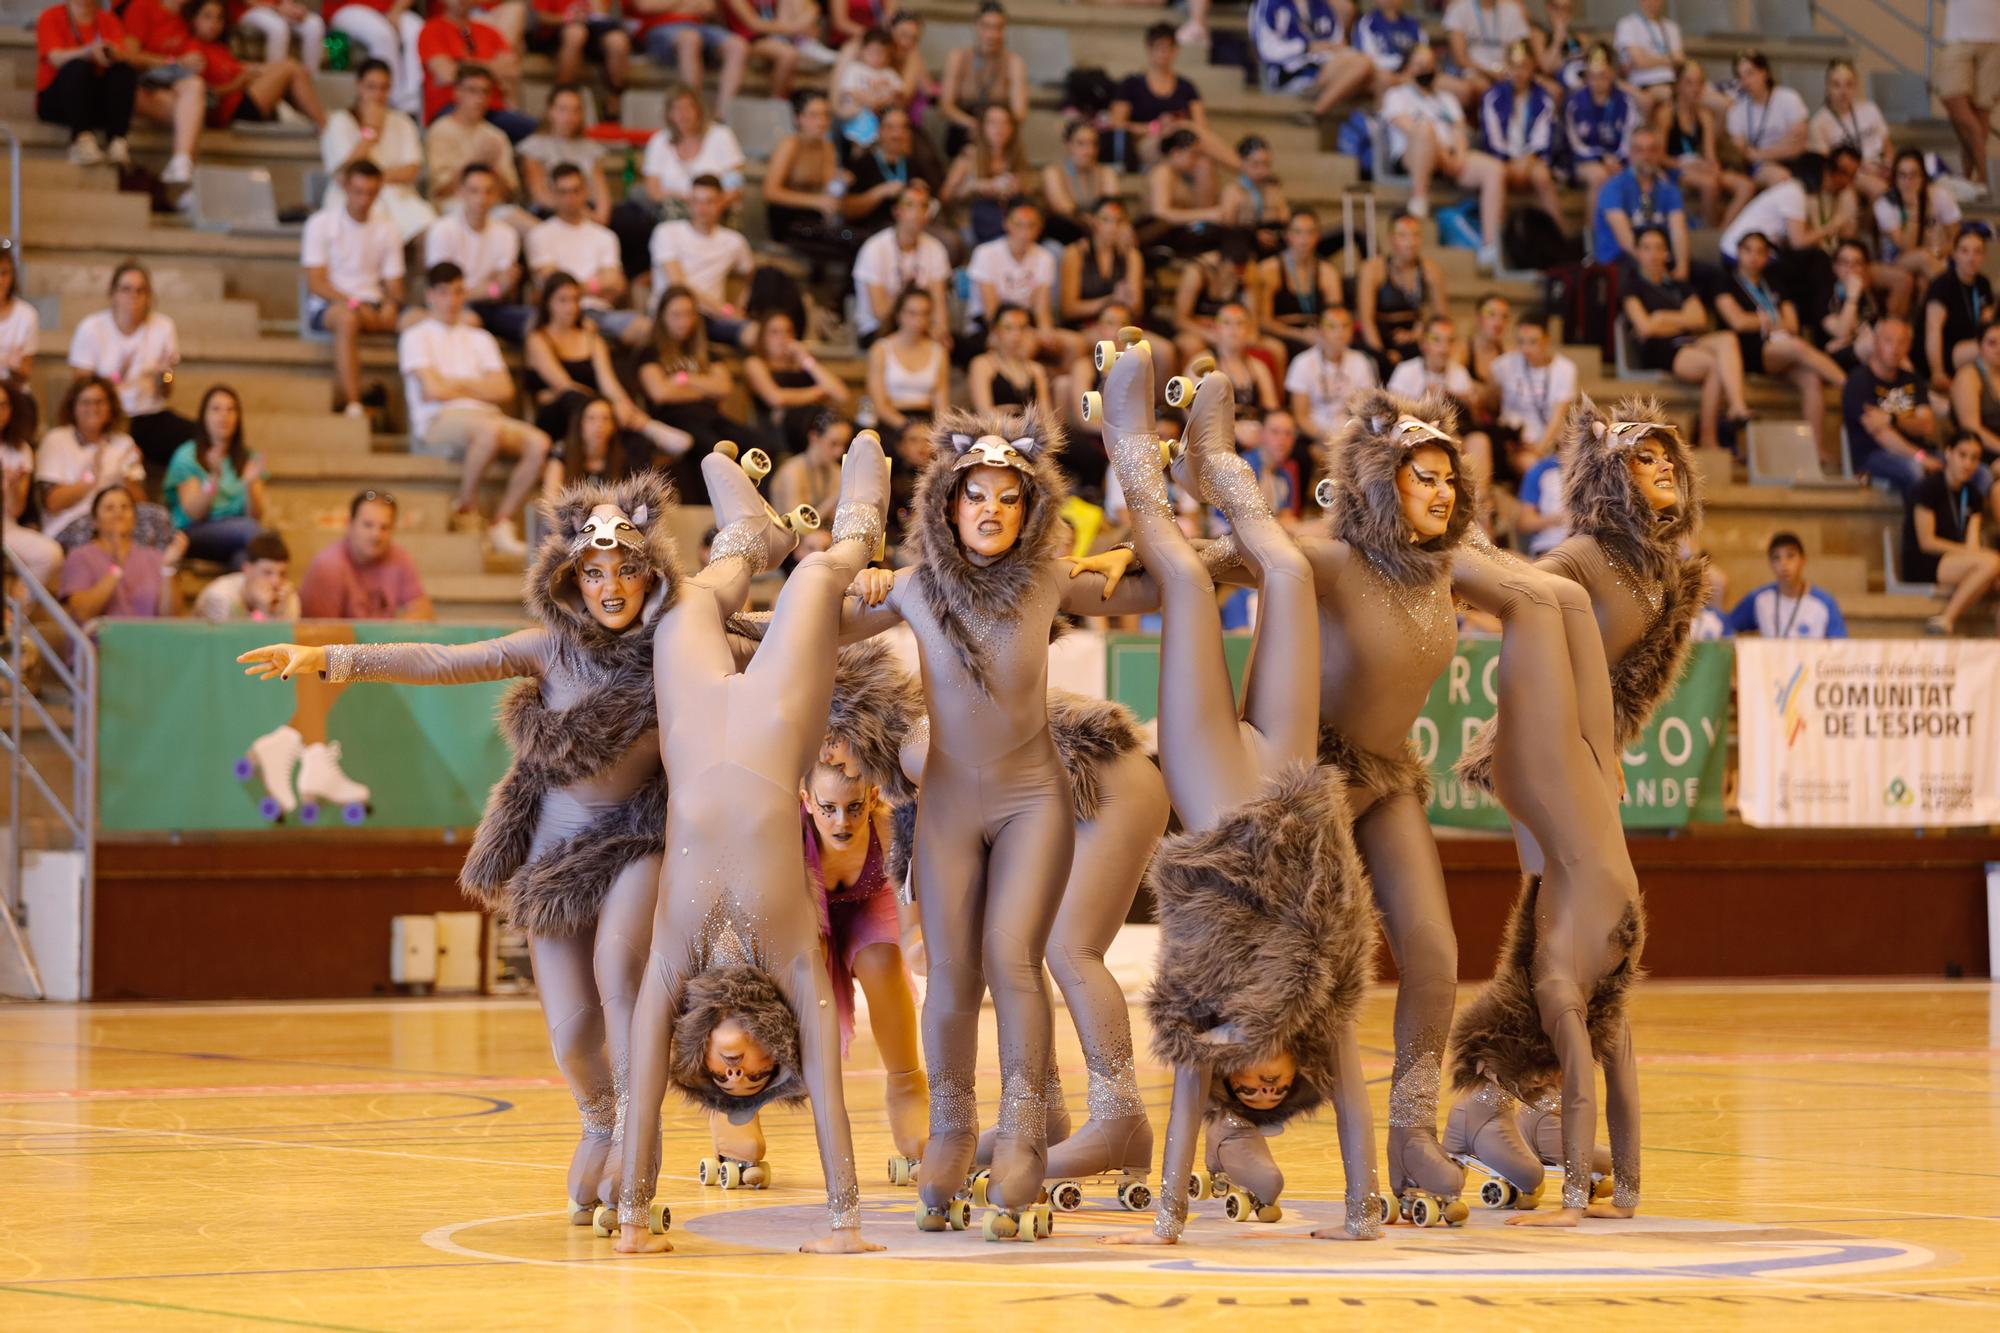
(1356, 139)
(1531, 241)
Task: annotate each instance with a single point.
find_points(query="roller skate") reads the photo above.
(944, 1185)
(1481, 1135)
(1241, 1171)
(1541, 1125)
(659, 1219)
(1106, 355)
(747, 528)
(1426, 1182)
(1033, 1223)
(738, 1163)
(586, 1172)
(1118, 1149)
(1055, 1124)
(909, 1097)
(271, 760)
(324, 787)
(864, 494)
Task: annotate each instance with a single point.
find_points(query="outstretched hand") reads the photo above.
(873, 585)
(282, 661)
(1112, 564)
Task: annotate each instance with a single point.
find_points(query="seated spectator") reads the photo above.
(899, 159)
(909, 371)
(486, 251)
(866, 83)
(1321, 379)
(690, 147)
(985, 74)
(1886, 414)
(354, 277)
(782, 34)
(847, 21)
(893, 261)
(1689, 137)
(238, 91)
(1649, 47)
(1958, 305)
(578, 31)
(571, 243)
(1917, 220)
(789, 383)
(1006, 374)
(136, 348)
(562, 141)
(278, 22)
(991, 171)
(1518, 116)
(1183, 198)
(1104, 267)
(683, 32)
(906, 55)
(1277, 464)
(215, 485)
(462, 136)
(1436, 370)
(1975, 393)
(1671, 328)
(1427, 137)
(170, 89)
(1216, 279)
(1767, 123)
(457, 387)
(1386, 35)
(1254, 202)
(1846, 118)
(452, 38)
(594, 448)
(82, 81)
(1394, 292)
(372, 131)
(1541, 518)
(1599, 120)
(708, 259)
(87, 451)
(1641, 196)
(1559, 51)
(1295, 285)
(684, 388)
(1537, 385)
(1016, 270)
(389, 31)
(365, 575)
(1778, 214)
(1943, 541)
(113, 574)
(261, 590)
(1234, 335)
(41, 554)
(1489, 340)
(1770, 337)
(1150, 107)
(1845, 327)
(1478, 33)
(1788, 607)
(20, 324)
(1967, 80)
(1299, 49)
(569, 366)
(805, 185)
(1073, 187)
(812, 476)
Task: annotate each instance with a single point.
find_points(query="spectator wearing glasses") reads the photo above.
(136, 348)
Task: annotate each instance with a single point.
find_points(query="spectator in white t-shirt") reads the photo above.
(904, 255)
(1767, 123)
(1848, 118)
(1778, 214)
(457, 385)
(1437, 371)
(1014, 269)
(1479, 33)
(1966, 77)
(691, 146)
(261, 590)
(136, 348)
(40, 553)
(354, 277)
(20, 325)
(1320, 380)
(1427, 134)
(88, 451)
(1649, 46)
(486, 250)
(710, 260)
(1537, 384)
(571, 242)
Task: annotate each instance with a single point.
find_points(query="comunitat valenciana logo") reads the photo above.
(1898, 793)
(1790, 703)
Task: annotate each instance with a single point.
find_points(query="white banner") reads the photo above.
(1868, 733)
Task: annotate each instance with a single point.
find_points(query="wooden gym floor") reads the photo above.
(1816, 1156)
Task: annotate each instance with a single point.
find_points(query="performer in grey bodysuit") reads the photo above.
(1266, 930)
(736, 1008)
(569, 845)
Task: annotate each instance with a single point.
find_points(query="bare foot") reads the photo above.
(1342, 1233)
(1137, 1238)
(637, 1240)
(1557, 1217)
(845, 1241)
(1604, 1208)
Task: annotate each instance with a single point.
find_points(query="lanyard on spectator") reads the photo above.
(1851, 127)
(1755, 137)
(1961, 505)
(1969, 293)
(1761, 294)
(1309, 298)
(900, 172)
(1645, 204)
(1479, 16)
(1785, 625)
(1658, 32)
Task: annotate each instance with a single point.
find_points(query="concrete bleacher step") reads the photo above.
(198, 319)
(174, 283)
(46, 209)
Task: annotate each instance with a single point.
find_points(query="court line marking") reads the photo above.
(186, 1309)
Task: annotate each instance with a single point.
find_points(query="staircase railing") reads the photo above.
(1898, 13)
(14, 184)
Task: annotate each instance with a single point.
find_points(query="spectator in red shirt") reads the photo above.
(452, 37)
(575, 31)
(170, 88)
(684, 31)
(81, 83)
(388, 30)
(246, 92)
(365, 575)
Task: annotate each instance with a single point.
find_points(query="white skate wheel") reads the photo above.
(1179, 389)
(1237, 1207)
(802, 519)
(1135, 1195)
(1104, 355)
(1323, 493)
(709, 1171)
(1067, 1195)
(659, 1218)
(756, 465)
(1093, 406)
(604, 1222)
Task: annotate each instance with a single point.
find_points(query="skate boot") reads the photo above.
(1481, 1135)
(1115, 1149)
(909, 1096)
(1240, 1171)
(1426, 1183)
(738, 1163)
(1055, 1128)
(864, 494)
(1207, 465)
(271, 759)
(747, 528)
(323, 786)
(586, 1171)
(1123, 407)
(1541, 1122)
(943, 1188)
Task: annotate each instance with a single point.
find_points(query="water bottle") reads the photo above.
(339, 51)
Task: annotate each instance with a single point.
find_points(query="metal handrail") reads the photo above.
(75, 665)
(14, 203)
(1927, 30)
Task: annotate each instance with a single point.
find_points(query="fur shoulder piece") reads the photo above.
(875, 705)
(647, 501)
(1498, 1034)
(1089, 733)
(1600, 496)
(748, 995)
(1362, 461)
(1652, 666)
(1267, 939)
(958, 590)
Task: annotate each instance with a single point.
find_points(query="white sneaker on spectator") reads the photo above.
(505, 538)
(1419, 206)
(321, 778)
(118, 152)
(1489, 257)
(275, 754)
(180, 170)
(1961, 189)
(356, 408)
(85, 151)
(815, 52)
(1190, 34)
(291, 115)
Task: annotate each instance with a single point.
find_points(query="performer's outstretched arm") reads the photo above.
(1184, 1121)
(652, 1038)
(811, 993)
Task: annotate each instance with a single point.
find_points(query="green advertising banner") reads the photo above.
(1673, 775)
(179, 722)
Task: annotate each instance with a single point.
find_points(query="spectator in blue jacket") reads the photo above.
(1598, 123)
(1386, 35)
(1518, 118)
(1788, 607)
(1299, 48)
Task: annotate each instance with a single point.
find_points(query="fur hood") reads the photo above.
(958, 590)
(1501, 1028)
(1267, 939)
(1598, 493)
(1089, 733)
(747, 994)
(875, 705)
(1366, 511)
(549, 589)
